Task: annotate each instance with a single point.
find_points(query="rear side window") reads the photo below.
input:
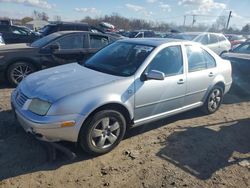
(98, 41)
(68, 42)
(221, 38)
(203, 39)
(210, 61)
(212, 39)
(199, 59)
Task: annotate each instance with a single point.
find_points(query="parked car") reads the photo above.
(1, 40)
(185, 36)
(17, 34)
(240, 59)
(5, 22)
(235, 39)
(128, 83)
(19, 60)
(141, 34)
(68, 26)
(215, 41)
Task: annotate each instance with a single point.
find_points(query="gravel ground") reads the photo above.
(187, 150)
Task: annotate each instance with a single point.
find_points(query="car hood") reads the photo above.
(55, 83)
(230, 55)
(15, 47)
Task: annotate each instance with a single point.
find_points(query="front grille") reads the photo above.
(21, 98)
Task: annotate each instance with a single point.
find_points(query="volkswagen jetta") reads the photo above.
(126, 84)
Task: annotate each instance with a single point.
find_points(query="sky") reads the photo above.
(169, 11)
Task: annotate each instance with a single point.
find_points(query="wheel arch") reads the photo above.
(23, 59)
(111, 106)
(219, 83)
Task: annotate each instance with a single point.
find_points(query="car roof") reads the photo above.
(60, 33)
(199, 33)
(152, 41)
(68, 23)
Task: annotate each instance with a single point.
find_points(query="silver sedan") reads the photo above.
(128, 83)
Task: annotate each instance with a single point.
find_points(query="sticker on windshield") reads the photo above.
(143, 48)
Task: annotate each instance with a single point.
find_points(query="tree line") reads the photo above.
(124, 23)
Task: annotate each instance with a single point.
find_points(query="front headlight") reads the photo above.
(39, 107)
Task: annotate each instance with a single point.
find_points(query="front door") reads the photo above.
(157, 97)
(71, 48)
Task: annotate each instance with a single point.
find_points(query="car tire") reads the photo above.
(102, 132)
(18, 71)
(213, 100)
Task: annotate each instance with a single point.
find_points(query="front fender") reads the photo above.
(86, 102)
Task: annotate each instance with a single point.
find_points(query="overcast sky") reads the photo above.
(170, 11)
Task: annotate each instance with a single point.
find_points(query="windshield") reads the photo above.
(45, 40)
(119, 58)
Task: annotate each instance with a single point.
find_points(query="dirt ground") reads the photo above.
(187, 150)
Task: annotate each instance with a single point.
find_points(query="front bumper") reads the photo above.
(48, 128)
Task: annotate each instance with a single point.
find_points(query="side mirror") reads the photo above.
(53, 47)
(155, 75)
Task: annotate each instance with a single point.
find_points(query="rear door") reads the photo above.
(95, 43)
(225, 45)
(240, 58)
(213, 44)
(201, 73)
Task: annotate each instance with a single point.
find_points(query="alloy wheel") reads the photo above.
(214, 100)
(20, 72)
(105, 132)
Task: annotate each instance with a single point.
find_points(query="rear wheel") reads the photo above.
(18, 71)
(102, 132)
(214, 100)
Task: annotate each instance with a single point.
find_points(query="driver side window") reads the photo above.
(169, 61)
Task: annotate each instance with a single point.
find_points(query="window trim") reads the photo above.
(59, 38)
(204, 50)
(211, 34)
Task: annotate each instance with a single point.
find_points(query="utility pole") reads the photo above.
(194, 20)
(184, 22)
(229, 17)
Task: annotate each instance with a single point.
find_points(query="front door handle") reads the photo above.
(211, 74)
(181, 81)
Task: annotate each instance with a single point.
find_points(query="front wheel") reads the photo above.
(213, 100)
(102, 132)
(18, 71)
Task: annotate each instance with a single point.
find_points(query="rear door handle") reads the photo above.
(211, 74)
(181, 81)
